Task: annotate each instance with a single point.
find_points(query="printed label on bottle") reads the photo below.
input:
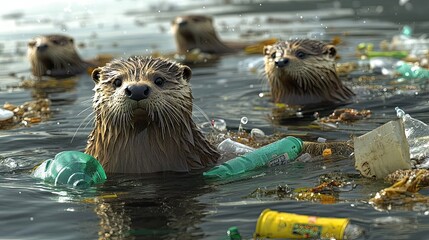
(307, 230)
(278, 160)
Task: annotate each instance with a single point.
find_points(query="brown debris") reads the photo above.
(346, 115)
(27, 114)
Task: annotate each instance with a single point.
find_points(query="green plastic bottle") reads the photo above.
(276, 153)
(71, 168)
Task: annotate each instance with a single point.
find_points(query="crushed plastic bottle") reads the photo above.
(72, 168)
(410, 71)
(280, 225)
(276, 153)
(417, 134)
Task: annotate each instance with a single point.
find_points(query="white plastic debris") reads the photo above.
(382, 151)
(257, 133)
(5, 114)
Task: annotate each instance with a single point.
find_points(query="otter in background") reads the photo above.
(302, 72)
(56, 56)
(197, 32)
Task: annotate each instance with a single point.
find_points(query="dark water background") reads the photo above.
(176, 206)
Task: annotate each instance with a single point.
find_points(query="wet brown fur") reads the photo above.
(150, 135)
(55, 55)
(309, 77)
(197, 32)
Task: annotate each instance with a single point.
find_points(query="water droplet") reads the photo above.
(31, 218)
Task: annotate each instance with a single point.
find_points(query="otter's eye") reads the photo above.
(159, 81)
(273, 55)
(300, 54)
(56, 42)
(117, 82)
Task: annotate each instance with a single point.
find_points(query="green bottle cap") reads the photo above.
(233, 233)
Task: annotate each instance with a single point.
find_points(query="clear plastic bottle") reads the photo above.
(276, 153)
(229, 146)
(71, 168)
(274, 224)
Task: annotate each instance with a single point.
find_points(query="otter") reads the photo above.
(143, 118)
(197, 32)
(55, 55)
(302, 72)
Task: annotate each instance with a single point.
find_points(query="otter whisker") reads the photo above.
(78, 128)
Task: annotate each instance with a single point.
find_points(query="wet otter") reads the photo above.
(56, 56)
(143, 118)
(302, 72)
(197, 32)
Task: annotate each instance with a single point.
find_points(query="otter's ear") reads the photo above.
(96, 74)
(267, 49)
(331, 51)
(186, 73)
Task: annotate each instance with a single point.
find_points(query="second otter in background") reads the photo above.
(302, 72)
(197, 32)
(55, 55)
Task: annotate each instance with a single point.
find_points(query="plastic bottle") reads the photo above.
(229, 146)
(276, 153)
(273, 224)
(71, 168)
(410, 71)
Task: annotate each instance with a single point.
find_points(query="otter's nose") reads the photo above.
(182, 23)
(42, 47)
(137, 92)
(282, 62)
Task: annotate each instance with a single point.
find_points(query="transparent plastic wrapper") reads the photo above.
(71, 168)
(417, 134)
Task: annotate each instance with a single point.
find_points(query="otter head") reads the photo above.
(54, 55)
(143, 118)
(197, 32)
(140, 91)
(302, 72)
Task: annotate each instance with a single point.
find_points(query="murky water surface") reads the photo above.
(176, 206)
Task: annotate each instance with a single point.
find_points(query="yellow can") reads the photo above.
(274, 224)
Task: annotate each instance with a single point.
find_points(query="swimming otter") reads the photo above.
(56, 56)
(143, 118)
(302, 72)
(197, 32)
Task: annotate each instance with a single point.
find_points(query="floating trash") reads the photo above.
(5, 114)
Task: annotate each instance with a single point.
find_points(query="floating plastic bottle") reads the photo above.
(273, 224)
(276, 153)
(410, 71)
(229, 146)
(71, 168)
